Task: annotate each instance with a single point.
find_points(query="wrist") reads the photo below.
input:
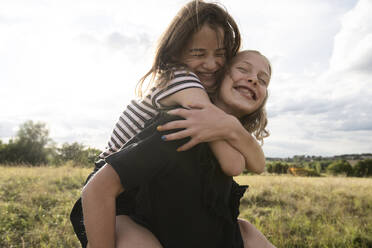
(235, 129)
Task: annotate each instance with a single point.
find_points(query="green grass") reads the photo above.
(291, 211)
(35, 204)
(310, 212)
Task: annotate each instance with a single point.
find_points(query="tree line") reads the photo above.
(33, 146)
(362, 168)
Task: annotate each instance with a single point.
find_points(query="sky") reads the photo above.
(74, 64)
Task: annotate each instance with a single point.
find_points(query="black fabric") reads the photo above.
(146, 154)
(182, 197)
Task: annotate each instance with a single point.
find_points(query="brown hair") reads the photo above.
(188, 21)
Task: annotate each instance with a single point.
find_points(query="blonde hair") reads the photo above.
(172, 43)
(255, 122)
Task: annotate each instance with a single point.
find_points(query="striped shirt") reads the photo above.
(133, 118)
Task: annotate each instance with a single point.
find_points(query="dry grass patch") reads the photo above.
(310, 212)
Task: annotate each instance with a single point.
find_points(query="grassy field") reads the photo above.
(310, 212)
(290, 211)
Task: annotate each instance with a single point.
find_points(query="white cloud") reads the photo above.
(353, 44)
(331, 111)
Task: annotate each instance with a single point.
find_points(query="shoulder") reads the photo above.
(180, 81)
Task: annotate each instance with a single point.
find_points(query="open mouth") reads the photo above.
(245, 91)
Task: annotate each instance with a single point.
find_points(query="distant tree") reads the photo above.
(363, 168)
(92, 155)
(321, 166)
(32, 139)
(298, 158)
(72, 152)
(316, 158)
(78, 154)
(52, 153)
(9, 153)
(310, 165)
(340, 167)
(2, 151)
(277, 167)
(33, 146)
(28, 146)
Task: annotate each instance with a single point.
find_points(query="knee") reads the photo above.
(247, 230)
(104, 183)
(244, 225)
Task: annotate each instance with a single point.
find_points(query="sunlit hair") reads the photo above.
(255, 122)
(172, 43)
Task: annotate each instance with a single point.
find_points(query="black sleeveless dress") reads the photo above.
(183, 198)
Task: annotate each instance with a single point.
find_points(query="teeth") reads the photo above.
(206, 74)
(246, 91)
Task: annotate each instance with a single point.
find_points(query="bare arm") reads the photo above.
(205, 123)
(98, 201)
(231, 160)
(244, 142)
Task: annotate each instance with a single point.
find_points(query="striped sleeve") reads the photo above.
(182, 80)
(130, 122)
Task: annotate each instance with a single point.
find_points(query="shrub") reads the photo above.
(321, 166)
(363, 168)
(277, 167)
(303, 172)
(340, 167)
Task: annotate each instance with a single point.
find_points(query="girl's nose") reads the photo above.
(253, 80)
(210, 63)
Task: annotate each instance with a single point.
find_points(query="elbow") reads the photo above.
(235, 168)
(257, 168)
(261, 166)
(235, 172)
(232, 173)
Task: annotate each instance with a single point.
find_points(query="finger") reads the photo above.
(179, 111)
(196, 105)
(187, 146)
(177, 135)
(172, 125)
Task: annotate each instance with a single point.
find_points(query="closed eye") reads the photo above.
(263, 82)
(242, 69)
(264, 78)
(197, 55)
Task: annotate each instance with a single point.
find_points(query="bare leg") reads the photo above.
(132, 235)
(252, 237)
(98, 201)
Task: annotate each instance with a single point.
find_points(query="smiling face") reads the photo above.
(205, 55)
(244, 87)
